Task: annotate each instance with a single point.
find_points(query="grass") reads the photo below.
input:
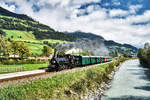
(35, 45)
(55, 41)
(69, 86)
(27, 67)
(36, 48)
(15, 35)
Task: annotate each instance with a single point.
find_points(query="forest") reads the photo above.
(144, 55)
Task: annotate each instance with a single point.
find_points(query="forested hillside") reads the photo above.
(39, 30)
(5, 12)
(21, 28)
(110, 44)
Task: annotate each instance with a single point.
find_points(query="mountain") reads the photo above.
(12, 21)
(20, 27)
(5, 12)
(83, 35)
(110, 44)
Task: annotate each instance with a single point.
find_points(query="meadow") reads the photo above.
(35, 45)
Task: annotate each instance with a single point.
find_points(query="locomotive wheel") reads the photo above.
(51, 68)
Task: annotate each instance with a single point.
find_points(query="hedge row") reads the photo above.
(25, 61)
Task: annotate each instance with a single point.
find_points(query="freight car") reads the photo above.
(60, 62)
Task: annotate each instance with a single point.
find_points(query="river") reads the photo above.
(131, 82)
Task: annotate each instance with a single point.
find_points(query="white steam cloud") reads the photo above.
(96, 47)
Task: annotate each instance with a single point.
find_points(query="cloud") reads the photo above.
(116, 2)
(10, 8)
(139, 18)
(118, 12)
(62, 15)
(135, 8)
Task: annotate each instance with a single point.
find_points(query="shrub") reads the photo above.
(24, 61)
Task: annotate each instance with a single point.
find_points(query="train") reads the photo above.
(68, 61)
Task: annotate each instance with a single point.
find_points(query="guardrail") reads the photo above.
(11, 69)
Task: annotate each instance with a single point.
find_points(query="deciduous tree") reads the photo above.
(47, 51)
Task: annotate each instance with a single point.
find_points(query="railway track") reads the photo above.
(29, 76)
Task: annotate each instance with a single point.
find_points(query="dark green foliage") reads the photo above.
(2, 32)
(5, 12)
(113, 54)
(12, 36)
(144, 56)
(126, 55)
(23, 61)
(83, 35)
(39, 30)
(45, 42)
(52, 35)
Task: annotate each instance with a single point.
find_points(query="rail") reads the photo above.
(11, 69)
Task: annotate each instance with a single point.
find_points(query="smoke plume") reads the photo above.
(96, 47)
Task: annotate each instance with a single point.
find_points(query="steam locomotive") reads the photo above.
(67, 61)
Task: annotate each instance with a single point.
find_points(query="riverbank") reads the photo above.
(72, 85)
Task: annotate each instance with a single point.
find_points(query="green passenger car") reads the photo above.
(93, 60)
(101, 59)
(98, 59)
(85, 60)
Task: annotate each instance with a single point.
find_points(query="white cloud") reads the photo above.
(134, 8)
(118, 12)
(139, 18)
(62, 15)
(10, 8)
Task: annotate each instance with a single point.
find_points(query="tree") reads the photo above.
(12, 36)
(20, 48)
(113, 54)
(2, 33)
(47, 51)
(23, 50)
(4, 46)
(146, 45)
(14, 47)
(126, 55)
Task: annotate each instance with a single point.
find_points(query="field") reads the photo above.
(36, 49)
(19, 35)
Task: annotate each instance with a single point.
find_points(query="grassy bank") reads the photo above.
(27, 67)
(72, 85)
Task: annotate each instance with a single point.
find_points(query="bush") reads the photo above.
(25, 61)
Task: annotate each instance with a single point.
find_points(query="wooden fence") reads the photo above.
(11, 69)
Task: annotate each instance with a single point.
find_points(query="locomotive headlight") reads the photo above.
(54, 61)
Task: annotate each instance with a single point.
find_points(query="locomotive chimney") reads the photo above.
(55, 50)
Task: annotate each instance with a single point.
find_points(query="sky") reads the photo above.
(124, 21)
